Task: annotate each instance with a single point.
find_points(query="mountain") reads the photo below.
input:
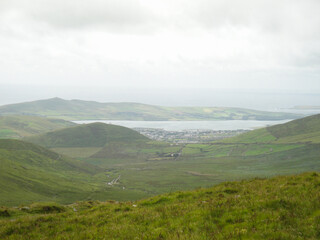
(277, 208)
(128, 166)
(104, 141)
(148, 167)
(86, 110)
(87, 135)
(17, 126)
(32, 173)
(304, 130)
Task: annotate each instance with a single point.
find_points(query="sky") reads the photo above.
(170, 52)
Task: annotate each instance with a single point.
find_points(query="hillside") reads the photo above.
(304, 130)
(277, 208)
(87, 135)
(130, 166)
(104, 141)
(306, 107)
(32, 173)
(17, 126)
(86, 110)
(151, 168)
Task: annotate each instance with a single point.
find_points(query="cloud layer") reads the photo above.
(208, 43)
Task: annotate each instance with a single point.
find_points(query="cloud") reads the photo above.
(161, 43)
(73, 14)
(266, 15)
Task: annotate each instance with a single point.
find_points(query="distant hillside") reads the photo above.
(32, 173)
(17, 126)
(86, 110)
(87, 135)
(307, 107)
(297, 131)
(100, 140)
(130, 166)
(277, 208)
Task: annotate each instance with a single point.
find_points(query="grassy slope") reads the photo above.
(304, 130)
(276, 208)
(149, 167)
(31, 173)
(17, 126)
(77, 110)
(104, 141)
(87, 135)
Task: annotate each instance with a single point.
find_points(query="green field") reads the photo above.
(100, 162)
(277, 208)
(148, 168)
(128, 166)
(18, 126)
(87, 110)
(30, 173)
(87, 135)
(305, 130)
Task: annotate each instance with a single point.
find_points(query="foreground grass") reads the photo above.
(277, 208)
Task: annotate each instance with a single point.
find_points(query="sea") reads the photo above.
(191, 125)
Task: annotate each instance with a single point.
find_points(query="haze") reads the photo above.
(259, 54)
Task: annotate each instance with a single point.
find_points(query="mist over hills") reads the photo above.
(86, 110)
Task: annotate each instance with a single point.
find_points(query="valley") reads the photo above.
(149, 167)
(159, 120)
(62, 172)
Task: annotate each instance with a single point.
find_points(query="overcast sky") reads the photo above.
(218, 45)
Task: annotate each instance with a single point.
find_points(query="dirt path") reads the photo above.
(114, 181)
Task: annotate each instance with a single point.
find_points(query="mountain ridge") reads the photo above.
(86, 110)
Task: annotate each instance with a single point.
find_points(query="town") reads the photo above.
(188, 136)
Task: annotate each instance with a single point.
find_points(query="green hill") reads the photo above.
(277, 208)
(130, 166)
(186, 166)
(32, 173)
(86, 110)
(158, 167)
(87, 135)
(17, 126)
(298, 131)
